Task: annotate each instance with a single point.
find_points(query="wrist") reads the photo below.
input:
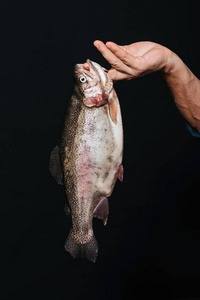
(174, 69)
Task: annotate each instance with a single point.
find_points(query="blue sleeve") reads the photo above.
(193, 131)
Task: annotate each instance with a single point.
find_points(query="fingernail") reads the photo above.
(108, 44)
(96, 45)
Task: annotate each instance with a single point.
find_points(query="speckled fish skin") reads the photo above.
(90, 155)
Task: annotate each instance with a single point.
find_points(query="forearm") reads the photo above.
(185, 88)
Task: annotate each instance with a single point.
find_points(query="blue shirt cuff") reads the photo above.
(193, 131)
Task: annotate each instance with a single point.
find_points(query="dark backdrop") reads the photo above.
(150, 246)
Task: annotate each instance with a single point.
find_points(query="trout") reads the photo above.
(88, 157)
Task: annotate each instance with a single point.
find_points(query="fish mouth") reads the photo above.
(96, 70)
(87, 65)
(89, 68)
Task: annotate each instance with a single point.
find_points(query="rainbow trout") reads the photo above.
(88, 158)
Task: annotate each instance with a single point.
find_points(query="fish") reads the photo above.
(88, 157)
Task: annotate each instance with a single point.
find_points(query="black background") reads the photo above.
(150, 246)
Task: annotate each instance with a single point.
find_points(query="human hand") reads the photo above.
(135, 60)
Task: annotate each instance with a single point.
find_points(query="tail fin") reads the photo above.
(87, 250)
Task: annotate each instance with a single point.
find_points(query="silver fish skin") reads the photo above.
(88, 158)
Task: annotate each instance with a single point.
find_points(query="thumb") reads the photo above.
(116, 75)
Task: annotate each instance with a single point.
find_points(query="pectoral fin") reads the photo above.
(67, 209)
(54, 165)
(120, 173)
(113, 107)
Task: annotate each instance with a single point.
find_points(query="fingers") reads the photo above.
(124, 65)
(107, 54)
(115, 55)
(135, 60)
(120, 52)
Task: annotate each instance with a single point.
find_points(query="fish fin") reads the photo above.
(113, 107)
(102, 210)
(54, 165)
(88, 250)
(67, 209)
(120, 173)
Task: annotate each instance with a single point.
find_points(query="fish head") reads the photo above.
(94, 83)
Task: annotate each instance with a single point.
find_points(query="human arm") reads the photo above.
(139, 59)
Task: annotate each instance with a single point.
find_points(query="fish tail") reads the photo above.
(88, 250)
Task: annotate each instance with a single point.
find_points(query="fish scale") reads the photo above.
(88, 156)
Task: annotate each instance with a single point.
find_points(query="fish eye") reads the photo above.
(82, 79)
